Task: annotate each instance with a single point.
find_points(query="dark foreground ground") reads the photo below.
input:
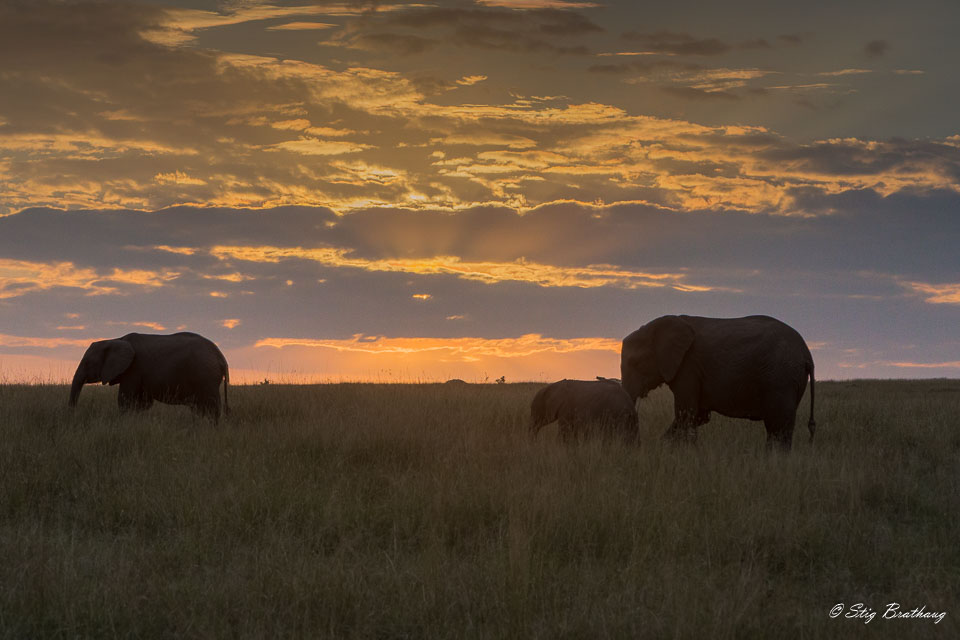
(422, 511)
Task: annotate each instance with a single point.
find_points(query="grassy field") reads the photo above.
(422, 511)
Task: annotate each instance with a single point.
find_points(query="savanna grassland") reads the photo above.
(423, 511)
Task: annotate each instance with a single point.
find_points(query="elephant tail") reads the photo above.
(226, 383)
(812, 424)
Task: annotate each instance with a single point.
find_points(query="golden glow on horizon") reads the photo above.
(466, 349)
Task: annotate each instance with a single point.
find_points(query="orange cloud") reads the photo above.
(229, 277)
(538, 4)
(925, 365)
(301, 26)
(466, 81)
(489, 272)
(186, 251)
(47, 343)
(936, 293)
(314, 147)
(149, 325)
(18, 277)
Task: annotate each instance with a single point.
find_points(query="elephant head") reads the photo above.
(104, 361)
(651, 355)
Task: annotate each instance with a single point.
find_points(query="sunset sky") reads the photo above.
(407, 191)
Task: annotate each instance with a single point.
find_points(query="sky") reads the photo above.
(477, 189)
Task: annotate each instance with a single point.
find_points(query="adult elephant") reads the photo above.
(582, 407)
(182, 368)
(754, 367)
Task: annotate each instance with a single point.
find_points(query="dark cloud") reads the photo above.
(678, 43)
(532, 31)
(876, 48)
(756, 43)
(398, 43)
(684, 44)
(833, 276)
(692, 93)
(918, 234)
(791, 38)
(645, 67)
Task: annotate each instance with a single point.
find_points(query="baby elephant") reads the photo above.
(582, 407)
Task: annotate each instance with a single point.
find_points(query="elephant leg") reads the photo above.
(125, 401)
(568, 430)
(131, 397)
(684, 426)
(681, 433)
(207, 408)
(779, 425)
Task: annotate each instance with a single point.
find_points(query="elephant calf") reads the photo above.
(582, 407)
(182, 368)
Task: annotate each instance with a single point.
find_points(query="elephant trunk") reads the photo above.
(631, 385)
(79, 379)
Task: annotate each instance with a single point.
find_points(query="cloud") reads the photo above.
(399, 43)
(467, 81)
(539, 28)
(936, 293)
(314, 147)
(692, 93)
(301, 26)
(791, 38)
(178, 26)
(44, 343)
(924, 365)
(588, 271)
(241, 130)
(844, 72)
(156, 326)
(489, 272)
(20, 277)
(539, 4)
(876, 48)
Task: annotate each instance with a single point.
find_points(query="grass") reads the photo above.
(423, 511)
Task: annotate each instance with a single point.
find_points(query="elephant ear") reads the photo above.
(543, 410)
(672, 338)
(118, 357)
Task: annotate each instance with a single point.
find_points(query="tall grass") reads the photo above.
(412, 511)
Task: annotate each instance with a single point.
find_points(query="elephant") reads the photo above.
(754, 367)
(584, 406)
(181, 368)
